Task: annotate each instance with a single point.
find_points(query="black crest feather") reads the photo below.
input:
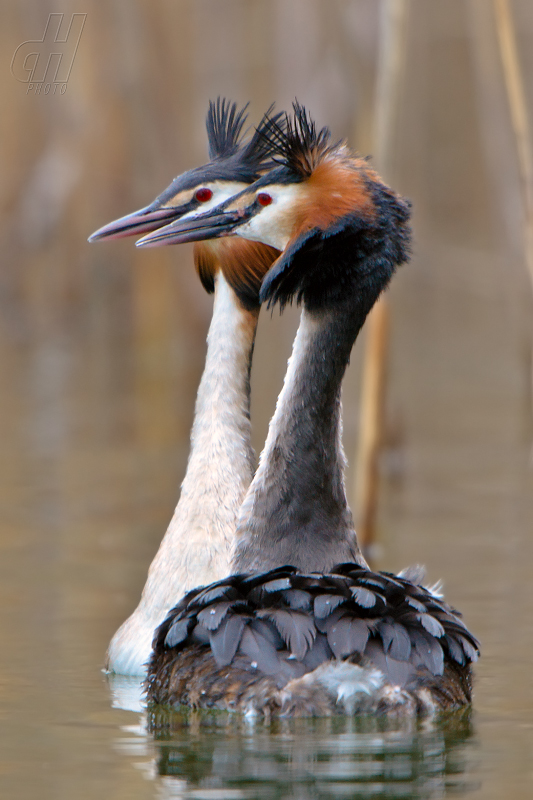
(295, 142)
(225, 124)
(224, 127)
(260, 150)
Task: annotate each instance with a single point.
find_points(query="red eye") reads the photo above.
(203, 195)
(264, 199)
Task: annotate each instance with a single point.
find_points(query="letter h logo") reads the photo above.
(43, 63)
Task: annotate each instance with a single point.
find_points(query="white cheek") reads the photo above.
(265, 227)
(272, 224)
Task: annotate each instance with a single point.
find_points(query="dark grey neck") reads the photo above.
(296, 511)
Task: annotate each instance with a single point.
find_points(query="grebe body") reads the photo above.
(326, 634)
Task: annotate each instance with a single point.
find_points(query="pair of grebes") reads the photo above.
(296, 623)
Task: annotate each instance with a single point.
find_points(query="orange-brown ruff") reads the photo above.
(326, 635)
(244, 265)
(334, 171)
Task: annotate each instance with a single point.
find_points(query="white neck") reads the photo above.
(196, 548)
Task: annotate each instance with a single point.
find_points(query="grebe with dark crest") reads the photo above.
(305, 627)
(198, 543)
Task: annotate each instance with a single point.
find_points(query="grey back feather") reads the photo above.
(283, 623)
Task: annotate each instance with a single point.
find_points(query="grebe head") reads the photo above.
(233, 166)
(320, 199)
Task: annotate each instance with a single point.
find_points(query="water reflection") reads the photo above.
(224, 757)
(127, 692)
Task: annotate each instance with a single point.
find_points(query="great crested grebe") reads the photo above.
(198, 543)
(312, 638)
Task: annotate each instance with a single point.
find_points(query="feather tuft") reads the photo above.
(295, 142)
(224, 126)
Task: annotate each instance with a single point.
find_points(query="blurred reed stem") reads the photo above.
(390, 71)
(516, 96)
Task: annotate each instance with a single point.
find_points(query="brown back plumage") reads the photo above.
(248, 637)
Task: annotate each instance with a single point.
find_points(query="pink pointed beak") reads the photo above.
(211, 225)
(142, 221)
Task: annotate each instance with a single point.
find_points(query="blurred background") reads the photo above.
(102, 347)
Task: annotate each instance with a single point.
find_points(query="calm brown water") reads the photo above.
(85, 498)
(101, 349)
